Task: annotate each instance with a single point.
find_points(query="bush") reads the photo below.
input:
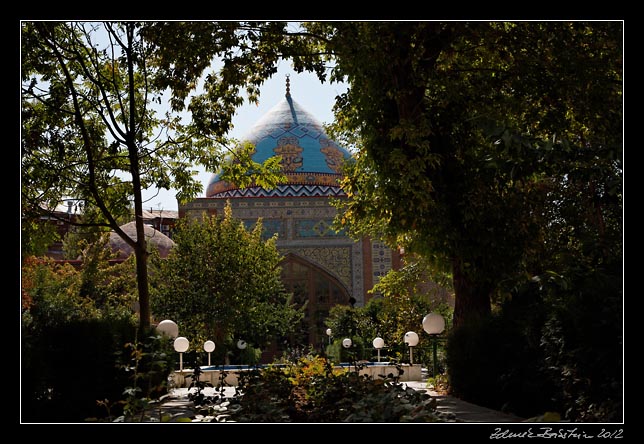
(497, 364)
(553, 347)
(582, 343)
(312, 391)
(68, 367)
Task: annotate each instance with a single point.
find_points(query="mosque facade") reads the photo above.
(321, 266)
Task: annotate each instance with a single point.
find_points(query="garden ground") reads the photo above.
(179, 406)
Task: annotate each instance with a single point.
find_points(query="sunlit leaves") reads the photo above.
(221, 280)
(240, 169)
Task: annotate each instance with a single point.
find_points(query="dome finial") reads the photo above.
(288, 85)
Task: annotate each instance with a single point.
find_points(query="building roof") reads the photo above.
(155, 238)
(311, 161)
(159, 214)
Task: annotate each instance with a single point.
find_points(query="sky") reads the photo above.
(315, 97)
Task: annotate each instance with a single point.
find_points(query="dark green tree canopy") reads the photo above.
(471, 135)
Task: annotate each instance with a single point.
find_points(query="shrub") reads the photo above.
(68, 367)
(556, 346)
(312, 390)
(497, 364)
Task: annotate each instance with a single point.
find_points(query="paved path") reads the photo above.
(464, 411)
(179, 406)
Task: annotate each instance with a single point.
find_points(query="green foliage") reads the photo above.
(91, 126)
(412, 278)
(67, 367)
(494, 151)
(73, 323)
(222, 282)
(50, 295)
(36, 237)
(79, 237)
(556, 345)
(388, 317)
(311, 391)
(147, 364)
(244, 172)
(582, 341)
(467, 132)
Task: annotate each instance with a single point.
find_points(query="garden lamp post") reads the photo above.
(346, 343)
(411, 339)
(181, 345)
(168, 328)
(434, 324)
(329, 332)
(241, 345)
(378, 343)
(209, 347)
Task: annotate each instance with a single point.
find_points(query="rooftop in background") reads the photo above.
(160, 214)
(155, 238)
(65, 207)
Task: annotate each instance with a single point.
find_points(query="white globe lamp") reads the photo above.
(181, 345)
(378, 343)
(209, 347)
(411, 340)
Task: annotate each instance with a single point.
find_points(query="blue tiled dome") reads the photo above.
(311, 161)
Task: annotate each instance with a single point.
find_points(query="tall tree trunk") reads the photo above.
(141, 256)
(140, 250)
(472, 298)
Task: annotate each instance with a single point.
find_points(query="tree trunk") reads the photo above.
(472, 298)
(142, 286)
(141, 250)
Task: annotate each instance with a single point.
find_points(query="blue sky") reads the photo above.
(315, 97)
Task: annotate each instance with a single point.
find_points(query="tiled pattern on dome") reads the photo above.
(283, 191)
(309, 156)
(290, 152)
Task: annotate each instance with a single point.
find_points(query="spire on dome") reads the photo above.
(288, 85)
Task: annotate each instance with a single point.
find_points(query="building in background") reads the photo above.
(161, 220)
(321, 266)
(62, 217)
(65, 215)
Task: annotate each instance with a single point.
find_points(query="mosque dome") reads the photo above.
(310, 160)
(155, 238)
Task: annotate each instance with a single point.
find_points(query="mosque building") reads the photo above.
(320, 265)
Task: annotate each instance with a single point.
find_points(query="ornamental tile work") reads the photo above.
(357, 273)
(337, 261)
(270, 227)
(308, 156)
(290, 190)
(315, 228)
(380, 260)
(290, 152)
(334, 156)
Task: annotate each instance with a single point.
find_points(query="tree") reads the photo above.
(93, 128)
(469, 131)
(222, 282)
